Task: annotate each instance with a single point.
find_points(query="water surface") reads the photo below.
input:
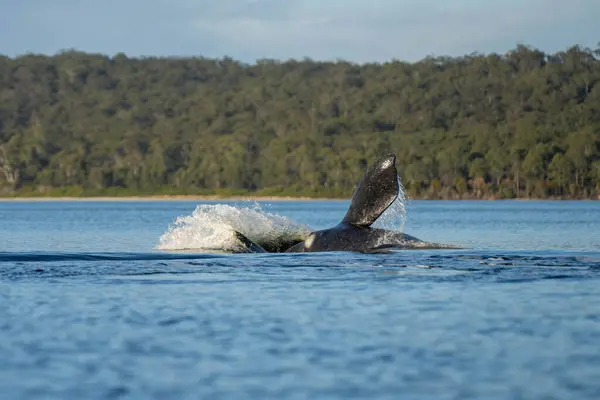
(91, 309)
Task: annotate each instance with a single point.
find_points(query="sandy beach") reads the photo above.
(166, 197)
(240, 198)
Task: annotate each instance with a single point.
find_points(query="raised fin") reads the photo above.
(249, 244)
(374, 193)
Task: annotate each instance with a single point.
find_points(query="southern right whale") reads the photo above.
(374, 193)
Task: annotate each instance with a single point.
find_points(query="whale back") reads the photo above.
(374, 193)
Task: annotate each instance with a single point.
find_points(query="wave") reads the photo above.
(213, 227)
(394, 218)
(457, 259)
(6, 257)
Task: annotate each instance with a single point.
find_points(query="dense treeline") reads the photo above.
(522, 124)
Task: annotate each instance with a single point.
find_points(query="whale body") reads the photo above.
(374, 193)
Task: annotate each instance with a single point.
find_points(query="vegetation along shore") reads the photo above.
(525, 124)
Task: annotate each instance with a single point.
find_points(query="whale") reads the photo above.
(374, 193)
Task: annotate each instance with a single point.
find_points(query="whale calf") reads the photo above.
(374, 193)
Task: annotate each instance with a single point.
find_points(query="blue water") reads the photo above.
(90, 309)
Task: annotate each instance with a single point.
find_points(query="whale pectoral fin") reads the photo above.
(374, 193)
(387, 248)
(250, 246)
(297, 248)
(377, 250)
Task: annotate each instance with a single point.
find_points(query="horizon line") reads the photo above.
(257, 61)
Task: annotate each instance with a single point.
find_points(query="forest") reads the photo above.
(524, 124)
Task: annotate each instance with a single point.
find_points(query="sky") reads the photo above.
(246, 30)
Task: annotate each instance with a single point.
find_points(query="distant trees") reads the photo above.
(522, 124)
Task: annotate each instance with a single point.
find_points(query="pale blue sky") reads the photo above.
(355, 30)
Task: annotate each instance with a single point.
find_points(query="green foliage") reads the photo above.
(522, 124)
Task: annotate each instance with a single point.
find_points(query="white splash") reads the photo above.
(394, 218)
(213, 226)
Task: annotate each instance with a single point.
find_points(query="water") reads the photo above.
(90, 308)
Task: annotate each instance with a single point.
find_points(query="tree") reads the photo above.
(522, 124)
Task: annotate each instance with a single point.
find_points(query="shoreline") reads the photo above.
(166, 197)
(238, 198)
